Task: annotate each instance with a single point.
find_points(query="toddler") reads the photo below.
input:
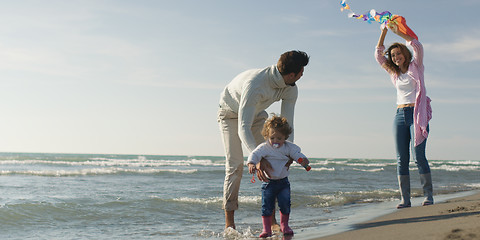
(280, 154)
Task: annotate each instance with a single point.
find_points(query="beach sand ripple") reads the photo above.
(454, 219)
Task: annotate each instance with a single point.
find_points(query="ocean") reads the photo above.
(107, 196)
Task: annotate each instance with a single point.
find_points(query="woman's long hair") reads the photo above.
(390, 65)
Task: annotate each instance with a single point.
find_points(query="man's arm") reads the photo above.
(288, 109)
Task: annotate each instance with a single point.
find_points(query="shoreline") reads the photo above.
(453, 216)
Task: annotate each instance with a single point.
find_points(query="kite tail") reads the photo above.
(402, 26)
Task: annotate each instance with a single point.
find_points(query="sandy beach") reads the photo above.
(457, 218)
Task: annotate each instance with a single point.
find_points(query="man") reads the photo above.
(242, 114)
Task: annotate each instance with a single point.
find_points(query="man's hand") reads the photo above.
(262, 167)
(289, 163)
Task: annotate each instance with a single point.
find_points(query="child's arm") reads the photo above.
(252, 163)
(297, 155)
(256, 161)
(304, 161)
(253, 160)
(251, 168)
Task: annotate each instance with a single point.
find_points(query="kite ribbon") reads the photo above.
(385, 18)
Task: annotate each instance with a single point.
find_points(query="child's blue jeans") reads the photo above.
(276, 189)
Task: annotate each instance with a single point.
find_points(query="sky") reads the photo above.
(145, 76)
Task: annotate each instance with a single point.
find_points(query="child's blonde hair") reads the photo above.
(279, 124)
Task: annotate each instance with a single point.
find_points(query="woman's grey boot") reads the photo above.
(404, 184)
(426, 181)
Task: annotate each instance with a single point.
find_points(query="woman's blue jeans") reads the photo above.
(276, 189)
(404, 140)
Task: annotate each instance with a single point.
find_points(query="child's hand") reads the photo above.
(251, 168)
(305, 162)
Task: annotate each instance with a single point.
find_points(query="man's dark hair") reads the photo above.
(292, 62)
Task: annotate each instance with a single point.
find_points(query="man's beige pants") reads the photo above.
(228, 122)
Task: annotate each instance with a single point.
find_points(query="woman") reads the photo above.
(413, 111)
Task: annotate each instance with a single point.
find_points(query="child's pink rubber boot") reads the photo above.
(267, 227)
(284, 224)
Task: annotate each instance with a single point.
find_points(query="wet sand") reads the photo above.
(457, 218)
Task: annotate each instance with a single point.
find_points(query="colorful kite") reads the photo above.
(385, 18)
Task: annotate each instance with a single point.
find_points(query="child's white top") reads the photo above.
(277, 157)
